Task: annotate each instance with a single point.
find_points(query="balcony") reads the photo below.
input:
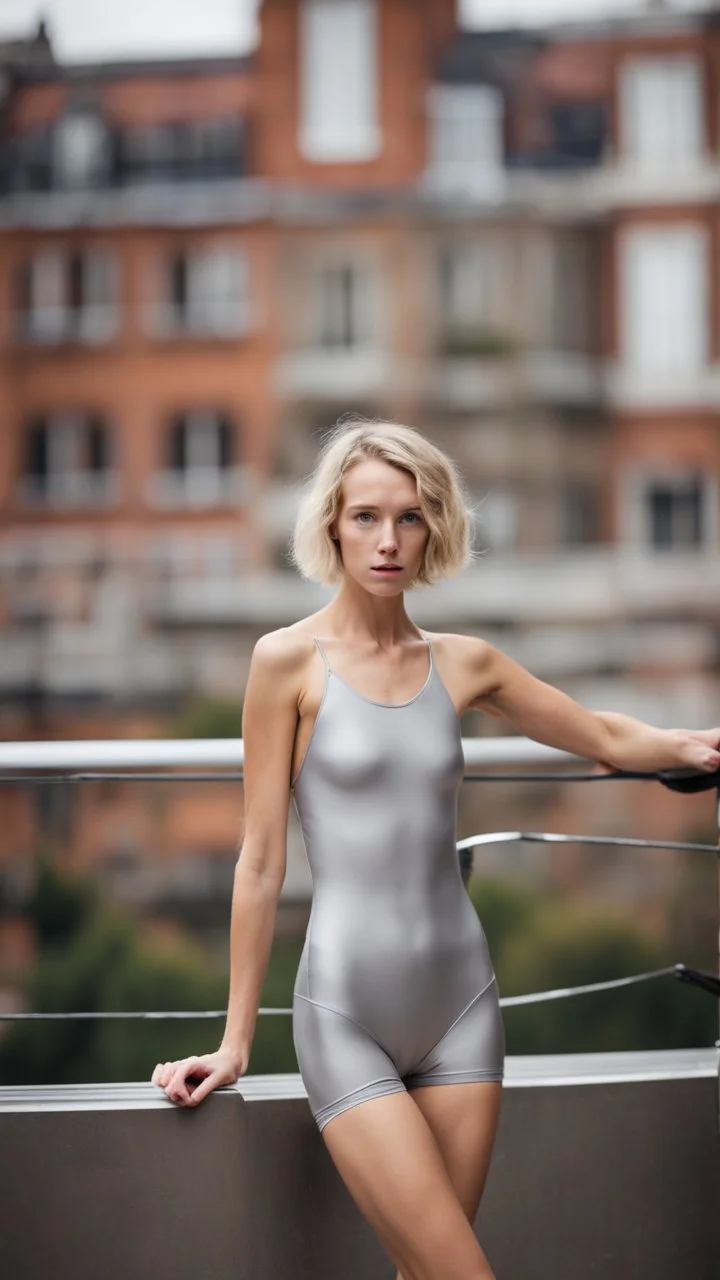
(605, 1163)
(336, 374)
(471, 380)
(91, 325)
(199, 487)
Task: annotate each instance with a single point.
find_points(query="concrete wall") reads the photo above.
(613, 1178)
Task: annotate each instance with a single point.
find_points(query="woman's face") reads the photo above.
(380, 523)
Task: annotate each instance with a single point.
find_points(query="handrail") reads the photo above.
(227, 752)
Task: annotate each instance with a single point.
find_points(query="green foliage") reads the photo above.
(58, 905)
(538, 944)
(206, 717)
(93, 957)
(482, 342)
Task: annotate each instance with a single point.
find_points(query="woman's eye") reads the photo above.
(412, 516)
(361, 514)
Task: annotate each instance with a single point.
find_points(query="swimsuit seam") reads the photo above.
(330, 1009)
(368, 1085)
(454, 1023)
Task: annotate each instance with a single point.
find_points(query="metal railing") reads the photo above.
(222, 760)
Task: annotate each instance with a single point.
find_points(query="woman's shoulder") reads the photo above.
(457, 646)
(283, 651)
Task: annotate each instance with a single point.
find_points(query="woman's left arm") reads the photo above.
(618, 741)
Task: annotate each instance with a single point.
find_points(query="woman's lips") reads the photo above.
(387, 568)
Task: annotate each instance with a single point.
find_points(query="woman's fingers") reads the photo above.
(177, 1087)
(204, 1088)
(172, 1077)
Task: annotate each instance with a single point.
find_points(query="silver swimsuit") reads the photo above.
(395, 988)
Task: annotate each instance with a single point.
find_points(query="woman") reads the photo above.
(356, 713)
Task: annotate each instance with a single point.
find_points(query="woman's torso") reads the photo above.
(393, 940)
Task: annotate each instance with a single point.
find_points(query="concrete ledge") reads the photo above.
(615, 1173)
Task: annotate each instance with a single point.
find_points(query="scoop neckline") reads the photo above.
(374, 702)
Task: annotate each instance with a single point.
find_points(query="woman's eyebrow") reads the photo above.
(368, 506)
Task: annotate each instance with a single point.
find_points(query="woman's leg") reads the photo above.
(463, 1119)
(391, 1163)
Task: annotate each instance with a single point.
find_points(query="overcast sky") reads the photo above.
(83, 30)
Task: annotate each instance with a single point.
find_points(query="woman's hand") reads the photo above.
(698, 749)
(189, 1080)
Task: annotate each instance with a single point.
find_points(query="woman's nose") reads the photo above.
(388, 537)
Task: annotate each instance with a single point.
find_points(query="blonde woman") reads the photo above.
(355, 712)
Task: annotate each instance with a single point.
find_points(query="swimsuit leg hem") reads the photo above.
(376, 1089)
(454, 1077)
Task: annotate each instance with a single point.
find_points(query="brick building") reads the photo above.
(508, 238)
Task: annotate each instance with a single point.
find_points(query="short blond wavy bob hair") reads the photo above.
(440, 489)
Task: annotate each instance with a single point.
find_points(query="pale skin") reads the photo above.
(415, 1162)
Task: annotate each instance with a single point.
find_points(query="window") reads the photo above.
(676, 512)
(339, 80)
(342, 300)
(67, 460)
(661, 110)
(580, 513)
(664, 301)
(67, 295)
(466, 134)
(183, 150)
(206, 293)
(200, 464)
(474, 282)
(464, 286)
(82, 151)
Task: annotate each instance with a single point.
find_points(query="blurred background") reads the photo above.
(222, 226)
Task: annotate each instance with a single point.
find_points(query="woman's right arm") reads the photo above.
(269, 721)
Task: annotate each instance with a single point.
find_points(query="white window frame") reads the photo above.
(670, 129)
(465, 136)
(51, 318)
(203, 481)
(339, 100)
(218, 302)
(68, 483)
(681, 354)
(635, 515)
(363, 336)
(80, 155)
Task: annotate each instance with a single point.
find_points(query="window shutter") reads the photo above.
(98, 445)
(36, 450)
(177, 444)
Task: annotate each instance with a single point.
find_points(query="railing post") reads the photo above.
(718, 1043)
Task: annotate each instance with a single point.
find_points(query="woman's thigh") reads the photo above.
(463, 1119)
(390, 1161)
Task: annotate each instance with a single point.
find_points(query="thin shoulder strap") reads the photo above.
(322, 651)
(430, 650)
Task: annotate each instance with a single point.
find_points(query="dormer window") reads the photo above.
(81, 151)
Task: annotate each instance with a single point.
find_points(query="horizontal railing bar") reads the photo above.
(533, 997)
(552, 837)
(218, 752)
(235, 775)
